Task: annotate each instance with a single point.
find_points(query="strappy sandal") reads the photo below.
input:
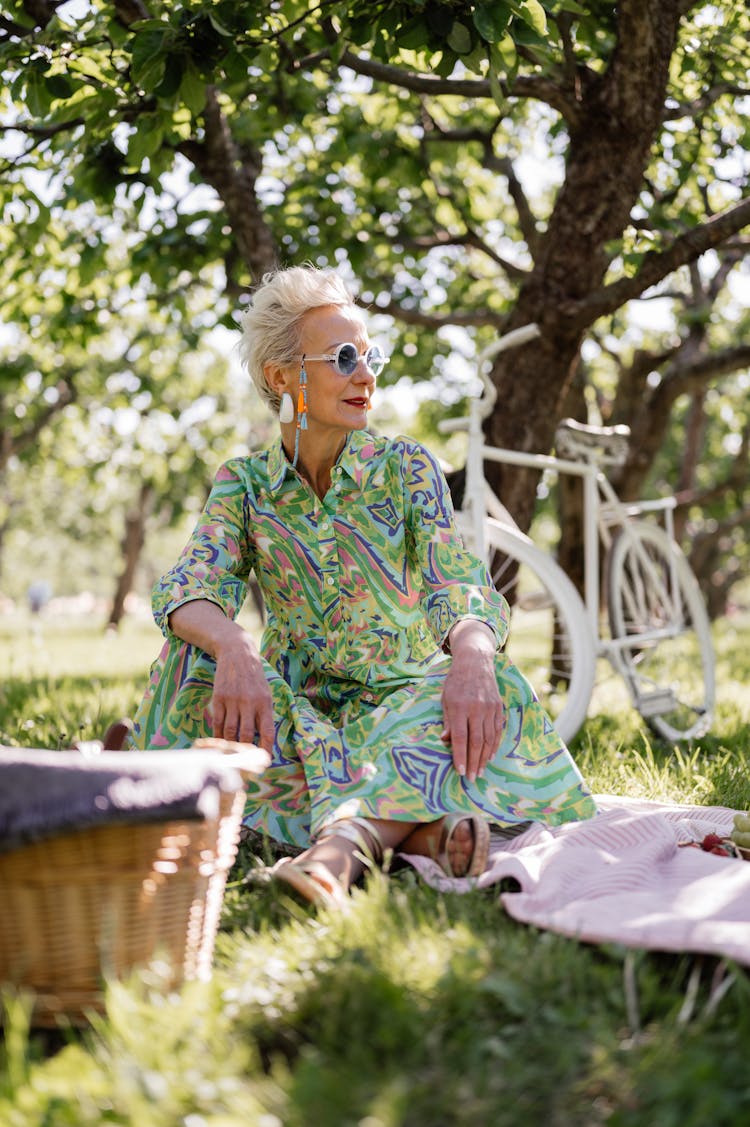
(313, 881)
(444, 831)
(478, 858)
(362, 833)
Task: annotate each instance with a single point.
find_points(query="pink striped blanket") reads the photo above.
(622, 877)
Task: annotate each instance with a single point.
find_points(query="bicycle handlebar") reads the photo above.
(450, 426)
(513, 339)
(487, 399)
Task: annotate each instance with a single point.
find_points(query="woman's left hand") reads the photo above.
(473, 710)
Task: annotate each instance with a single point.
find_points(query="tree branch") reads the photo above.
(736, 480)
(471, 239)
(680, 378)
(43, 132)
(523, 86)
(673, 111)
(13, 29)
(526, 217)
(468, 318)
(41, 11)
(11, 444)
(233, 171)
(130, 11)
(657, 265)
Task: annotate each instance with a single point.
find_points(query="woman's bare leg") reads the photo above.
(342, 857)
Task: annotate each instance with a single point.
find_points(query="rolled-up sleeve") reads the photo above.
(456, 584)
(218, 558)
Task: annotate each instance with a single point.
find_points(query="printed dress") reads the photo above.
(361, 590)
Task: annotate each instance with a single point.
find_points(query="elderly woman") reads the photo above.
(392, 717)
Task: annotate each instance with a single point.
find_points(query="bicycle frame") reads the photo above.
(602, 508)
(653, 597)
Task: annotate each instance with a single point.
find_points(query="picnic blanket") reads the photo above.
(622, 877)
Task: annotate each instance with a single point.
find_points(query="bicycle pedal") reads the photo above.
(656, 703)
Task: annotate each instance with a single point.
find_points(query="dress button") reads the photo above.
(337, 487)
(330, 581)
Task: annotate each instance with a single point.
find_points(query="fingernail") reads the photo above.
(472, 778)
(461, 770)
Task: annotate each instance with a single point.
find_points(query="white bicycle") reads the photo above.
(656, 632)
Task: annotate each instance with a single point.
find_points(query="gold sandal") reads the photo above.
(478, 858)
(445, 828)
(313, 881)
(362, 833)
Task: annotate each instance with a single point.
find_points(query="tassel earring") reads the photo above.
(301, 411)
(286, 408)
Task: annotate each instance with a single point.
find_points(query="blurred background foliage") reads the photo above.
(466, 166)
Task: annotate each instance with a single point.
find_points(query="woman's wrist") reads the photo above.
(204, 624)
(471, 634)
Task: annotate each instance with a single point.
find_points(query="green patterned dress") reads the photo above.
(361, 589)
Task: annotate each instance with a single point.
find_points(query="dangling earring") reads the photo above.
(301, 410)
(286, 408)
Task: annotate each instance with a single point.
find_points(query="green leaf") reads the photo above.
(439, 19)
(413, 35)
(532, 13)
(491, 20)
(496, 89)
(235, 64)
(38, 97)
(146, 140)
(88, 66)
(503, 56)
(59, 86)
(444, 63)
(218, 26)
(84, 102)
(360, 31)
(459, 39)
(90, 263)
(148, 59)
(193, 90)
(174, 68)
(17, 86)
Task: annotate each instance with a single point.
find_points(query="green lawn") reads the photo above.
(418, 1009)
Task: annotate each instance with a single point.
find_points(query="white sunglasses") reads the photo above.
(346, 358)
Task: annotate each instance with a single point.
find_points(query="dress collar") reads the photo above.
(356, 460)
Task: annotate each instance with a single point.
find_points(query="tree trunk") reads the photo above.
(610, 144)
(570, 550)
(695, 431)
(132, 545)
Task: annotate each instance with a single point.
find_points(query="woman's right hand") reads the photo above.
(241, 703)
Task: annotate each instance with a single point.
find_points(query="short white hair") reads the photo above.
(271, 326)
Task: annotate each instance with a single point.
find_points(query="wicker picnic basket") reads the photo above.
(91, 904)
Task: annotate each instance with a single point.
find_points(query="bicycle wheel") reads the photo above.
(549, 638)
(654, 599)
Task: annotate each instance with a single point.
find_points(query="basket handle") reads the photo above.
(249, 759)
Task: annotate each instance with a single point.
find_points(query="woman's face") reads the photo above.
(335, 401)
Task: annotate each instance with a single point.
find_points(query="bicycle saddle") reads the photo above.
(583, 442)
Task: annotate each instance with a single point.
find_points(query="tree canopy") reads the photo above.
(475, 166)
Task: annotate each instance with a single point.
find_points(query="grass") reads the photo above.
(418, 1009)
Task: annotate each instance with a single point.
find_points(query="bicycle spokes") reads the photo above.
(660, 639)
